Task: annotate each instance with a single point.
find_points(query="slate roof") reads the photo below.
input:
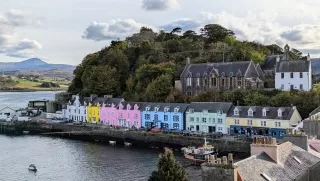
(222, 68)
(270, 62)
(292, 66)
(212, 107)
(139, 104)
(272, 112)
(286, 169)
(161, 106)
(115, 101)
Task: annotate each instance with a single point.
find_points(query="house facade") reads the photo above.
(293, 74)
(76, 111)
(163, 115)
(207, 116)
(199, 78)
(257, 120)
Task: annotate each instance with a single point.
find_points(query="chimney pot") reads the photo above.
(219, 161)
(224, 160)
(278, 58)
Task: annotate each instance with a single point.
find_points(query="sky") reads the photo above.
(65, 31)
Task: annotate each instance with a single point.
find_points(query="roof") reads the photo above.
(7, 107)
(161, 106)
(270, 62)
(272, 112)
(287, 168)
(292, 66)
(210, 106)
(115, 101)
(222, 68)
(139, 104)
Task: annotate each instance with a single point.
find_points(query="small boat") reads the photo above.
(112, 142)
(127, 144)
(199, 155)
(25, 132)
(32, 167)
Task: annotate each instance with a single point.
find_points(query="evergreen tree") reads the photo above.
(168, 169)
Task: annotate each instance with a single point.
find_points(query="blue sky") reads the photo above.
(64, 31)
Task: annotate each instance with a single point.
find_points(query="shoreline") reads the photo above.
(30, 90)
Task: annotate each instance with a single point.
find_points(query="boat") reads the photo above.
(25, 132)
(127, 144)
(32, 167)
(201, 154)
(112, 142)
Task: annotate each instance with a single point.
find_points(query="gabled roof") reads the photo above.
(132, 104)
(222, 68)
(288, 167)
(270, 62)
(272, 113)
(210, 106)
(162, 106)
(292, 66)
(6, 107)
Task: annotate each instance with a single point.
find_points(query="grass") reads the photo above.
(29, 85)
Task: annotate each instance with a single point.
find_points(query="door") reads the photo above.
(211, 129)
(291, 87)
(197, 127)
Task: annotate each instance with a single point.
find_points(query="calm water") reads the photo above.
(20, 99)
(68, 160)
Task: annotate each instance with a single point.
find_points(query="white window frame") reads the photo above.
(250, 113)
(236, 112)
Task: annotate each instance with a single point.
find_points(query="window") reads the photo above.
(175, 118)
(198, 81)
(277, 124)
(166, 109)
(291, 75)
(191, 110)
(75, 111)
(205, 81)
(236, 121)
(176, 109)
(136, 116)
(120, 115)
(175, 126)
(222, 81)
(209, 120)
(239, 81)
(264, 113)
(156, 109)
(219, 128)
(220, 112)
(282, 75)
(147, 116)
(249, 122)
(263, 123)
(279, 113)
(301, 86)
(230, 81)
(156, 117)
(301, 75)
(128, 115)
(191, 119)
(282, 86)
(197, 120)
(165, 117)
(250, 113)
(219, 121)
(147, 108)
(236, 112)
(214, 81)
(204, 120)
(213, 120)
(189, 80)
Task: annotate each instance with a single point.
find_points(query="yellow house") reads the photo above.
(93, 113)
(257, 120)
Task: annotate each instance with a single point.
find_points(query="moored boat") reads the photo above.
(32, 167)
(201, 154)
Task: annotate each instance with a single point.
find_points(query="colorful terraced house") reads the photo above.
(257, 120)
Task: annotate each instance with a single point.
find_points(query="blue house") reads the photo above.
(164, 115)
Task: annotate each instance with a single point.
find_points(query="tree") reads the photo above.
(176, 30)
(159, 89)
(214, 33)
(168, 169)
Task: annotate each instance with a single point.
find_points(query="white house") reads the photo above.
(7, 113)
(293, 74)
(76, 111)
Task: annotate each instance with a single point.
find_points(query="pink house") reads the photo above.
(126, 114)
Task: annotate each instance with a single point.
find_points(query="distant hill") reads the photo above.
(33, 64)
(315, 63)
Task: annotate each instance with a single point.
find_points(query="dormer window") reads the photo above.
(191, 110)
(147, 108)
(264, 113)
(128, 107)
(176, 109)
(250, 113)
(236, 112)
(166, 109)
(156, 109)
(279, 113)
(220, 112)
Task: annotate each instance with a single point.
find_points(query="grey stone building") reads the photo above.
(204, 77)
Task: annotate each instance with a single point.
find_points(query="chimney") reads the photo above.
(224, 160)
(308, 57)
(267, 145)
(297, 139)
(107, 96)
(188, 60)
(278, 58)
(92, 96)
(230, 158)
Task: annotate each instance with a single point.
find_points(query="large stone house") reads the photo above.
(199, 78)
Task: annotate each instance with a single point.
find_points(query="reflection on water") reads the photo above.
(68, 160)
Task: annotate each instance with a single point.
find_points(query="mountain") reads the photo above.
(33, 64)
(315, 63)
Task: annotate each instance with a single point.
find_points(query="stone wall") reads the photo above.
(311, 128)
(218, 173)
(297, 139)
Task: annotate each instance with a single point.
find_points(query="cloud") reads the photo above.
(303, 34)
(110, 31)
(10, 43)
(184, 24)
(159, 5)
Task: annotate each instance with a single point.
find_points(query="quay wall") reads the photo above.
(137, 138)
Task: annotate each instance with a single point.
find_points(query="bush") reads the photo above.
(49, 85)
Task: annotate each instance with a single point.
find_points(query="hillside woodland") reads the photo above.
(144, 67)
